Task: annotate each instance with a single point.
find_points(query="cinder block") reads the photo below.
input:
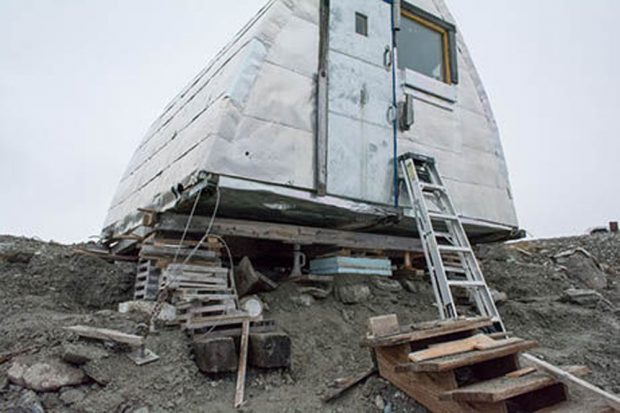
(270, 350)
(216, 355)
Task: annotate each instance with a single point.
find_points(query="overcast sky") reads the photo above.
(81, 81)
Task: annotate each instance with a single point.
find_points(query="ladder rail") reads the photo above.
(458, 242)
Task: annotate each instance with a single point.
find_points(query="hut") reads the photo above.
(300, 118)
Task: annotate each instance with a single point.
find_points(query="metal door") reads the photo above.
(359, 138)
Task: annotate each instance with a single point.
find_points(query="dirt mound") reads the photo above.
(30, 267)
(48, 286)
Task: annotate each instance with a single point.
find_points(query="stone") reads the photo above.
(29, 402)
(72, 396)
(45, 376)
(4, 383)
(387, 284)
(305, 300)
(81, 354)
(216, 355)
(250, 281)
(270, 350)
(16, 372)
(410, 285)
(499, 296)
(580, 265)
(379, 402)
(168, 312)
(585, 298)
(353, 293)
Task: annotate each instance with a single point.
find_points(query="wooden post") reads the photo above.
(243, 358)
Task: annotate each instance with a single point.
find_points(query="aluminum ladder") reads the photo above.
(450, 259)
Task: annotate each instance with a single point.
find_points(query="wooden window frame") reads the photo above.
(448, 35)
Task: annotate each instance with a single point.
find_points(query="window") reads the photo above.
(361, 24)
(426, 45)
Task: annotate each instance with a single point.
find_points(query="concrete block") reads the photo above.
(270, 350)
(216, 355)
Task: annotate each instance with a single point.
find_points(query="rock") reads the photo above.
(387, 284)
(353, 293)
(16, 372)
(29, 402)
(580, 265)
(45, 376)
(410, 285)
(585, 298)
(305, 300)
(81, 354)
(72, 396)
(167, 313)
(498, 296)
(249, 281)
(379, 402)
(4, 383)
(316, 292)
(215, 355)
(270, 350)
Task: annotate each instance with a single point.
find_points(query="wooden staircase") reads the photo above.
(453, 367)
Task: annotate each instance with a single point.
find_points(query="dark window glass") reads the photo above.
(361, 24)
(421, 48)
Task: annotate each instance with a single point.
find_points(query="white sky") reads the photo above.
(81, 81)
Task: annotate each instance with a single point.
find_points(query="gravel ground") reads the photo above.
(48, 286)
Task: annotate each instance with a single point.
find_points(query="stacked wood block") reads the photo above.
(147, 280)
(452, 366)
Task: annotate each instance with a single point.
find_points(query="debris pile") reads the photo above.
(549, 291)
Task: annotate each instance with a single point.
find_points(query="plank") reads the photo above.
(451, 347)
(520, 372)
(107, 335)
(151, 251)
(567, 378)
(453, 362)
(497, 343)
(501, 388)
(288, 233)
(243, 357)
(384, 325)
(424, 331)
(345, 384)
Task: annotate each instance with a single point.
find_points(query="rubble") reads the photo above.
(352, 293)
(81, 354)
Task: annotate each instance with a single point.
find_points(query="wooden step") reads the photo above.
(423, 331)
(505, 387)
(469, 358)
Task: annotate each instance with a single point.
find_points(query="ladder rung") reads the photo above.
(466, 283)
(450, 248)
(454, 269)
(443, 234)
(445, 217)
(431, 187)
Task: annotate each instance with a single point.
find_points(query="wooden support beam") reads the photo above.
(287, 233)
(570, 379)
(107, 335)
(243, 362)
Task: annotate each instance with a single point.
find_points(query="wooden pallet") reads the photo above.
(147, 280)
(453, 367)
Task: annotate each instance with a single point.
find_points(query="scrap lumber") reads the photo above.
(567, 378)
(521, 372)
(452, 347)
(107, 335)
(452, 362)
(243, 359)
(9, 355)
(343, 385)
(424, 331)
